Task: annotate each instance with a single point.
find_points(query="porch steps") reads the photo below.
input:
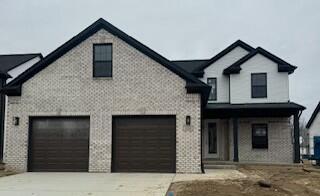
(213, 164)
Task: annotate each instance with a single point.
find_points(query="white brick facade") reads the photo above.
(139, 86)
(280, 141)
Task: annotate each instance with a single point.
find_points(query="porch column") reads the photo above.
(235, 140)
(296, 134)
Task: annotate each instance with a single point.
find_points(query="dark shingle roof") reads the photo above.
(190, 65)
(313, 116)
(10, 61)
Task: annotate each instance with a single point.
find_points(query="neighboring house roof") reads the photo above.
(283, 66)
(194, 85)
(190, 65)
(313, 116)
(11, 61)
(199, 71)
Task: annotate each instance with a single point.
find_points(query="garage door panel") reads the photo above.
(59, 144)
(144, 144)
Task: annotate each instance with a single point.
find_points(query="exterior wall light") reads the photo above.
(188, 120)
(16, 121)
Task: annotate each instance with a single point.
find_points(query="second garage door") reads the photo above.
(144, 144)
(59, 144)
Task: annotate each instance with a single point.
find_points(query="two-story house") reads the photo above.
(104, 102)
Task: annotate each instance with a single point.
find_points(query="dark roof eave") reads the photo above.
(12, 91)
(226, 110)
(202, 89)
(287, 105)
(282, 65)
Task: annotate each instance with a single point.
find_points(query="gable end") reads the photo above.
(283, 66)
(199, 72)
(96, 26)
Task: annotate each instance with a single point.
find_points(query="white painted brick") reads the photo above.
(139, 86)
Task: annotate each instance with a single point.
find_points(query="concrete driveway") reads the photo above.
(85, 184)
(98, 184)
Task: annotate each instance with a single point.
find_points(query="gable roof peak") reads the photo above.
(283, 66)
(239, 43)
(89, 31)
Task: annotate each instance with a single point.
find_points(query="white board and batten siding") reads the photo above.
(277, 82)
(215, 70)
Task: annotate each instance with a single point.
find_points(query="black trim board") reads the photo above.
(96, 26)
(313, 116)
(283, 66)
(200, 70)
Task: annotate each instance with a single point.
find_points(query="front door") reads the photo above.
(211, 140)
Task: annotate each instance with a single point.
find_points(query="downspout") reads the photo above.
(201, 135)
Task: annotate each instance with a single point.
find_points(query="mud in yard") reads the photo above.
(285, 181)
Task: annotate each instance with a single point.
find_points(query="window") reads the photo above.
(102, 60)
(213, 83)
(259, 136)
(259, 85)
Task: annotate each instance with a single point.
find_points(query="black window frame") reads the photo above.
(94, 61)
(260, 143)
(253, 86)
(216, 95)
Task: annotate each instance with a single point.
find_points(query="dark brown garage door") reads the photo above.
(59, 144)
(144, 144)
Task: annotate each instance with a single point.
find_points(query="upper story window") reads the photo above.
(102, 60)
(259, 136)
(213, 83)
(259, 85)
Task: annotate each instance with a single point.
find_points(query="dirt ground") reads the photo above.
(285, 181)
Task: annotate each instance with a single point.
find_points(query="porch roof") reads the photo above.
(227, 110)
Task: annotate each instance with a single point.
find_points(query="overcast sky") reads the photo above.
(179, 29)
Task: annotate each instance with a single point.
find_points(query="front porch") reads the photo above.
(251, 133)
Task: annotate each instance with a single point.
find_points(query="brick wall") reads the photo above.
(280, 148)
(139, 86)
